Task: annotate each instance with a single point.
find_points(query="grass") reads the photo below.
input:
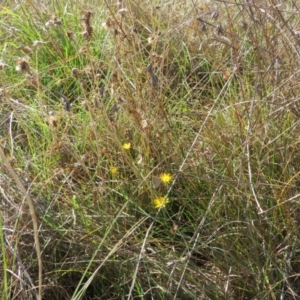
(149, 151)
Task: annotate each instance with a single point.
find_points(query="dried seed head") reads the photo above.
(122, 12)
(87, 17)
(26, 49)
(75, 72)
(23, 65)
(108, 24)
(32, 80)
(87, 34)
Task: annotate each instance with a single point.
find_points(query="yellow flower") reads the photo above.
(160, 202)
(114, 170)
(126, 146)
(166, 177)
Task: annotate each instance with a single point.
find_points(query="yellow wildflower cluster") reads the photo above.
(126, 146)
(166, 178)
(114, 170)
(160, 202)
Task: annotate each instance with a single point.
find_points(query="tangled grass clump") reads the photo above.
(97, 102)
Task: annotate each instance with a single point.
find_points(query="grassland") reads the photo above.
(149, 150)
